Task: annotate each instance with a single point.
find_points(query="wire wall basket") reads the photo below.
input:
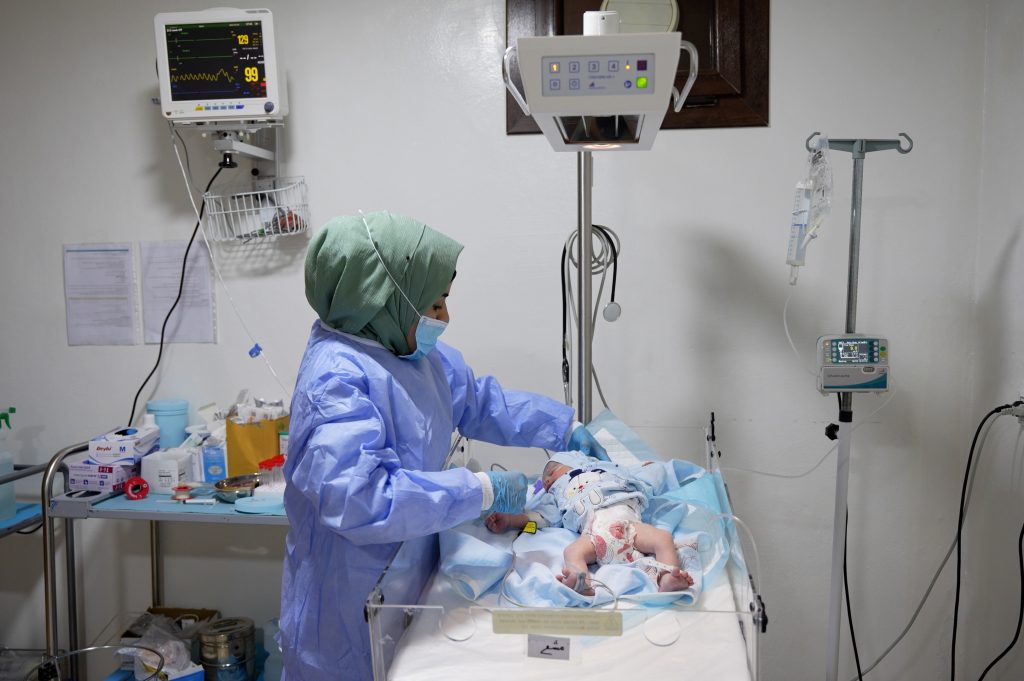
(275, 207)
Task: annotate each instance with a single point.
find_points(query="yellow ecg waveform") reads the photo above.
(210, 77)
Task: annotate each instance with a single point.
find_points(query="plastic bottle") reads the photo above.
(8, 505)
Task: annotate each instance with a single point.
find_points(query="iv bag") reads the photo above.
(819, 163)
(812, 202)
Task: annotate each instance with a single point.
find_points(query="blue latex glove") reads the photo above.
(509, 491)
(582, 441)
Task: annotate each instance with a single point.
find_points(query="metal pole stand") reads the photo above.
(585, 227)
(857, 148)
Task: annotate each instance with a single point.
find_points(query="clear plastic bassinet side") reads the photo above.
(421, 629)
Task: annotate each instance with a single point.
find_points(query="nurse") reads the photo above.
(376, 402)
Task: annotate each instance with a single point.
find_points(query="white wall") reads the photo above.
(991, 578)
(399, 105)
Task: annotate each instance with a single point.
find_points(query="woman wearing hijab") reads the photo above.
(376, 402)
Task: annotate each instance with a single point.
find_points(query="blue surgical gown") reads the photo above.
(368, 435)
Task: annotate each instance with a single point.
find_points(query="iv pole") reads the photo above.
(585, 312)
(857, 148)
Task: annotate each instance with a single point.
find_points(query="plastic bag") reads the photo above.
(162, 635)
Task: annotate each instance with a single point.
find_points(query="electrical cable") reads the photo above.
(849, 611)
(938, 572)
(565, 332)
(597, 384)
(181, 288)
(613, 242)
(261, 352)
(959, 537)
(605, 257)
(1020, 611)
(935, 577)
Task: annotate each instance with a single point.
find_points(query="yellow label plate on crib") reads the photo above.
(557, 621)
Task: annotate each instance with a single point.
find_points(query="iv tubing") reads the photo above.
(216, 269)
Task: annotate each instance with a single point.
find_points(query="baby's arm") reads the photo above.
(541, 510)
(502, 522)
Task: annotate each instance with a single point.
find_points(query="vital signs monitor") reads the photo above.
(218, 64)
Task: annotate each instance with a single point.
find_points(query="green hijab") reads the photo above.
(349, 289)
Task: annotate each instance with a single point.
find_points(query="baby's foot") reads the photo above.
(569, 577)
(674, 580)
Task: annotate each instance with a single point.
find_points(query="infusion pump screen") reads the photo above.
(854, 351)
(216, 60)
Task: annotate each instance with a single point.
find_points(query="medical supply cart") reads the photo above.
(71, 506)
(27, 516)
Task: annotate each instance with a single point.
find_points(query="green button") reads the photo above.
(641, 82)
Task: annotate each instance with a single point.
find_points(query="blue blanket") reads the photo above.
(686, 503)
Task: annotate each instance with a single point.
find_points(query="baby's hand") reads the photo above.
(498, 522)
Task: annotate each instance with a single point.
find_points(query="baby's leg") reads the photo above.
(650, 539)
(576, 556)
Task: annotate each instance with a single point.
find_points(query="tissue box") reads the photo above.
(124, 445)
(89, 475)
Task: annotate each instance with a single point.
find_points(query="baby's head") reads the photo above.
(553, 471)
(560, 464)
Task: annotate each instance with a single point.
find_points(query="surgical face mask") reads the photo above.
(429, 329)
(427, 333)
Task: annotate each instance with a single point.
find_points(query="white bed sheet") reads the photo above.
(708, 644)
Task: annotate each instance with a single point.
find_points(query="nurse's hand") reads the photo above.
(582, 441)
(509, 491)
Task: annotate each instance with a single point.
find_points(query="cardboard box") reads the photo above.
(214, 463)
(89, 475)
(166, 469)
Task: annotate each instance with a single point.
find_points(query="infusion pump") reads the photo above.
(853, 363)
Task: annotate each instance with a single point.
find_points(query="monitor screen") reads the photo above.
(218, 64)
(218, 60)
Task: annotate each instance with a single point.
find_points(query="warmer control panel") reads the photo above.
(605, 74)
